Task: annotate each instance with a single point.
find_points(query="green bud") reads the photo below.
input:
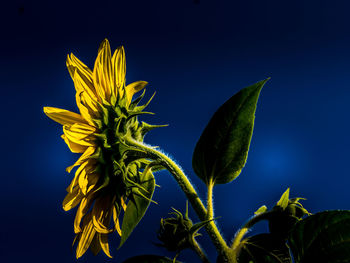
(175, 232)
(286, 214)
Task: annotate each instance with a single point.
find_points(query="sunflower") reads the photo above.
(110, 176)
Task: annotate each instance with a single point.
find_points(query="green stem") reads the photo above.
(241, 232)
(210, 204)
(196, 247)
(190, 193)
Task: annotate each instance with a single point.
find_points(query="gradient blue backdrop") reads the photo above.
(195, 54)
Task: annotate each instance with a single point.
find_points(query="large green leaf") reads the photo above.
(323, 238)
(264, 248)
(138, 203)
(222, 149)
(149, 259)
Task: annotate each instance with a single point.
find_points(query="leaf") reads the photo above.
(264, 248)
(222, 149)
(137, 206)
(322, 237)
(150, 259)
(284, 200)
(262, 209)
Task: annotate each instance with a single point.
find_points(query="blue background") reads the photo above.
(195, 54)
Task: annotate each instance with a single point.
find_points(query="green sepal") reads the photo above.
(105, 182)
(150, 259)
(141, 108)
(99, 123)
(136, 207)
(264, 248)
(222, 149)
(323, 238)
(136, 101)
(145, 128)
(105, 114)
(284, 200)
(262, 209)
(134, 114)
(196, 227)
(285, 214)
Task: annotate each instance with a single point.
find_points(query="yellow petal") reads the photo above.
(80, 134)
(93, 179)
(103, 238)
(74, 147)
(122, 202)
(83, 181)
(99, 226)
(84, 111)
(76, 177)
(72, 199)
(87, 91)
(95, 245)
(85, 239)
(101, 214)
(102, 73)
(118, 70)
(82, 210)
(116, 220)
(87, 153)
(134, 87)
(75, 65)
(62, 116)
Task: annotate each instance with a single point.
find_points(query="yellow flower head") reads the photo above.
(109, 179)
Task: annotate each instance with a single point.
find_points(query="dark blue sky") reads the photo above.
(195, 54)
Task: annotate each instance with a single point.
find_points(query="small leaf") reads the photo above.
(150, 259)
(262, 209)
(137, 206)
(222, 149)
(284, 200)
(264, 248)
(323, 238)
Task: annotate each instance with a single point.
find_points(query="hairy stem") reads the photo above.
(190, 193)
(241, 232)
(210, 204)
(196, 247)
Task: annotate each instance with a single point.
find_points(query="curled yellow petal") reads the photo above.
(134, 87)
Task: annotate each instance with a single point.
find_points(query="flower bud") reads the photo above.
(286, 214)
(175, 232)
